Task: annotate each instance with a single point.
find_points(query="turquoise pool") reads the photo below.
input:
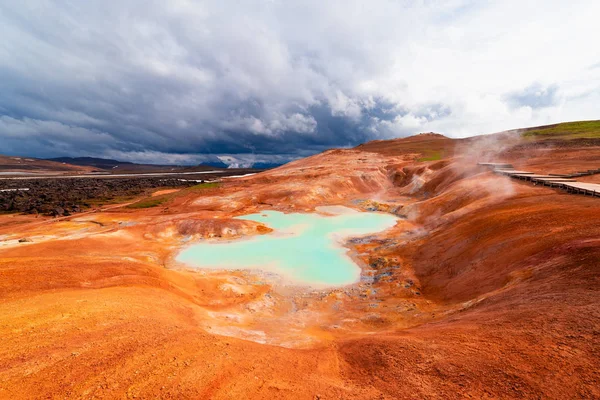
(305, 249)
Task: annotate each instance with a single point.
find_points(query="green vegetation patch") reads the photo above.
(432, 156)
(148, 203)
(207, 185)
(574, 130)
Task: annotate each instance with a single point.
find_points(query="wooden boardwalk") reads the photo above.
(561, 181)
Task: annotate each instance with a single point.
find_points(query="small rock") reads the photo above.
(25, 240)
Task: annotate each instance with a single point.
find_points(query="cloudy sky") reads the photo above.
(273, 80)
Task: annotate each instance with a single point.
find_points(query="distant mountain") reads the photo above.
(215, 164)
(261, 165)
(103, 163)
(258, 165)
(229, 161)
(29, 164)
(115, 166)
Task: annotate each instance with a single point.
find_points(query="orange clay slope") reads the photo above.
(487, 287)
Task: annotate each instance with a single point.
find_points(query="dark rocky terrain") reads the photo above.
(64, 186)
(64, 196)
(67, 196)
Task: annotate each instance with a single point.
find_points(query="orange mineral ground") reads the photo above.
(487, 287)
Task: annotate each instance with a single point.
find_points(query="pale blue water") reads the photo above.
(304, 248)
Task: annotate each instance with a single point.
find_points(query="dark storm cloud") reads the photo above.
(176, 81)
(183, 79)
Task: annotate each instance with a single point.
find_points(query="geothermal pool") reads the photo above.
(304, 249)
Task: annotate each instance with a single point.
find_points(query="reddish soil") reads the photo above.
(486, 288)
(36, 165)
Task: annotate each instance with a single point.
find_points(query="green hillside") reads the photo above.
(567, 130)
